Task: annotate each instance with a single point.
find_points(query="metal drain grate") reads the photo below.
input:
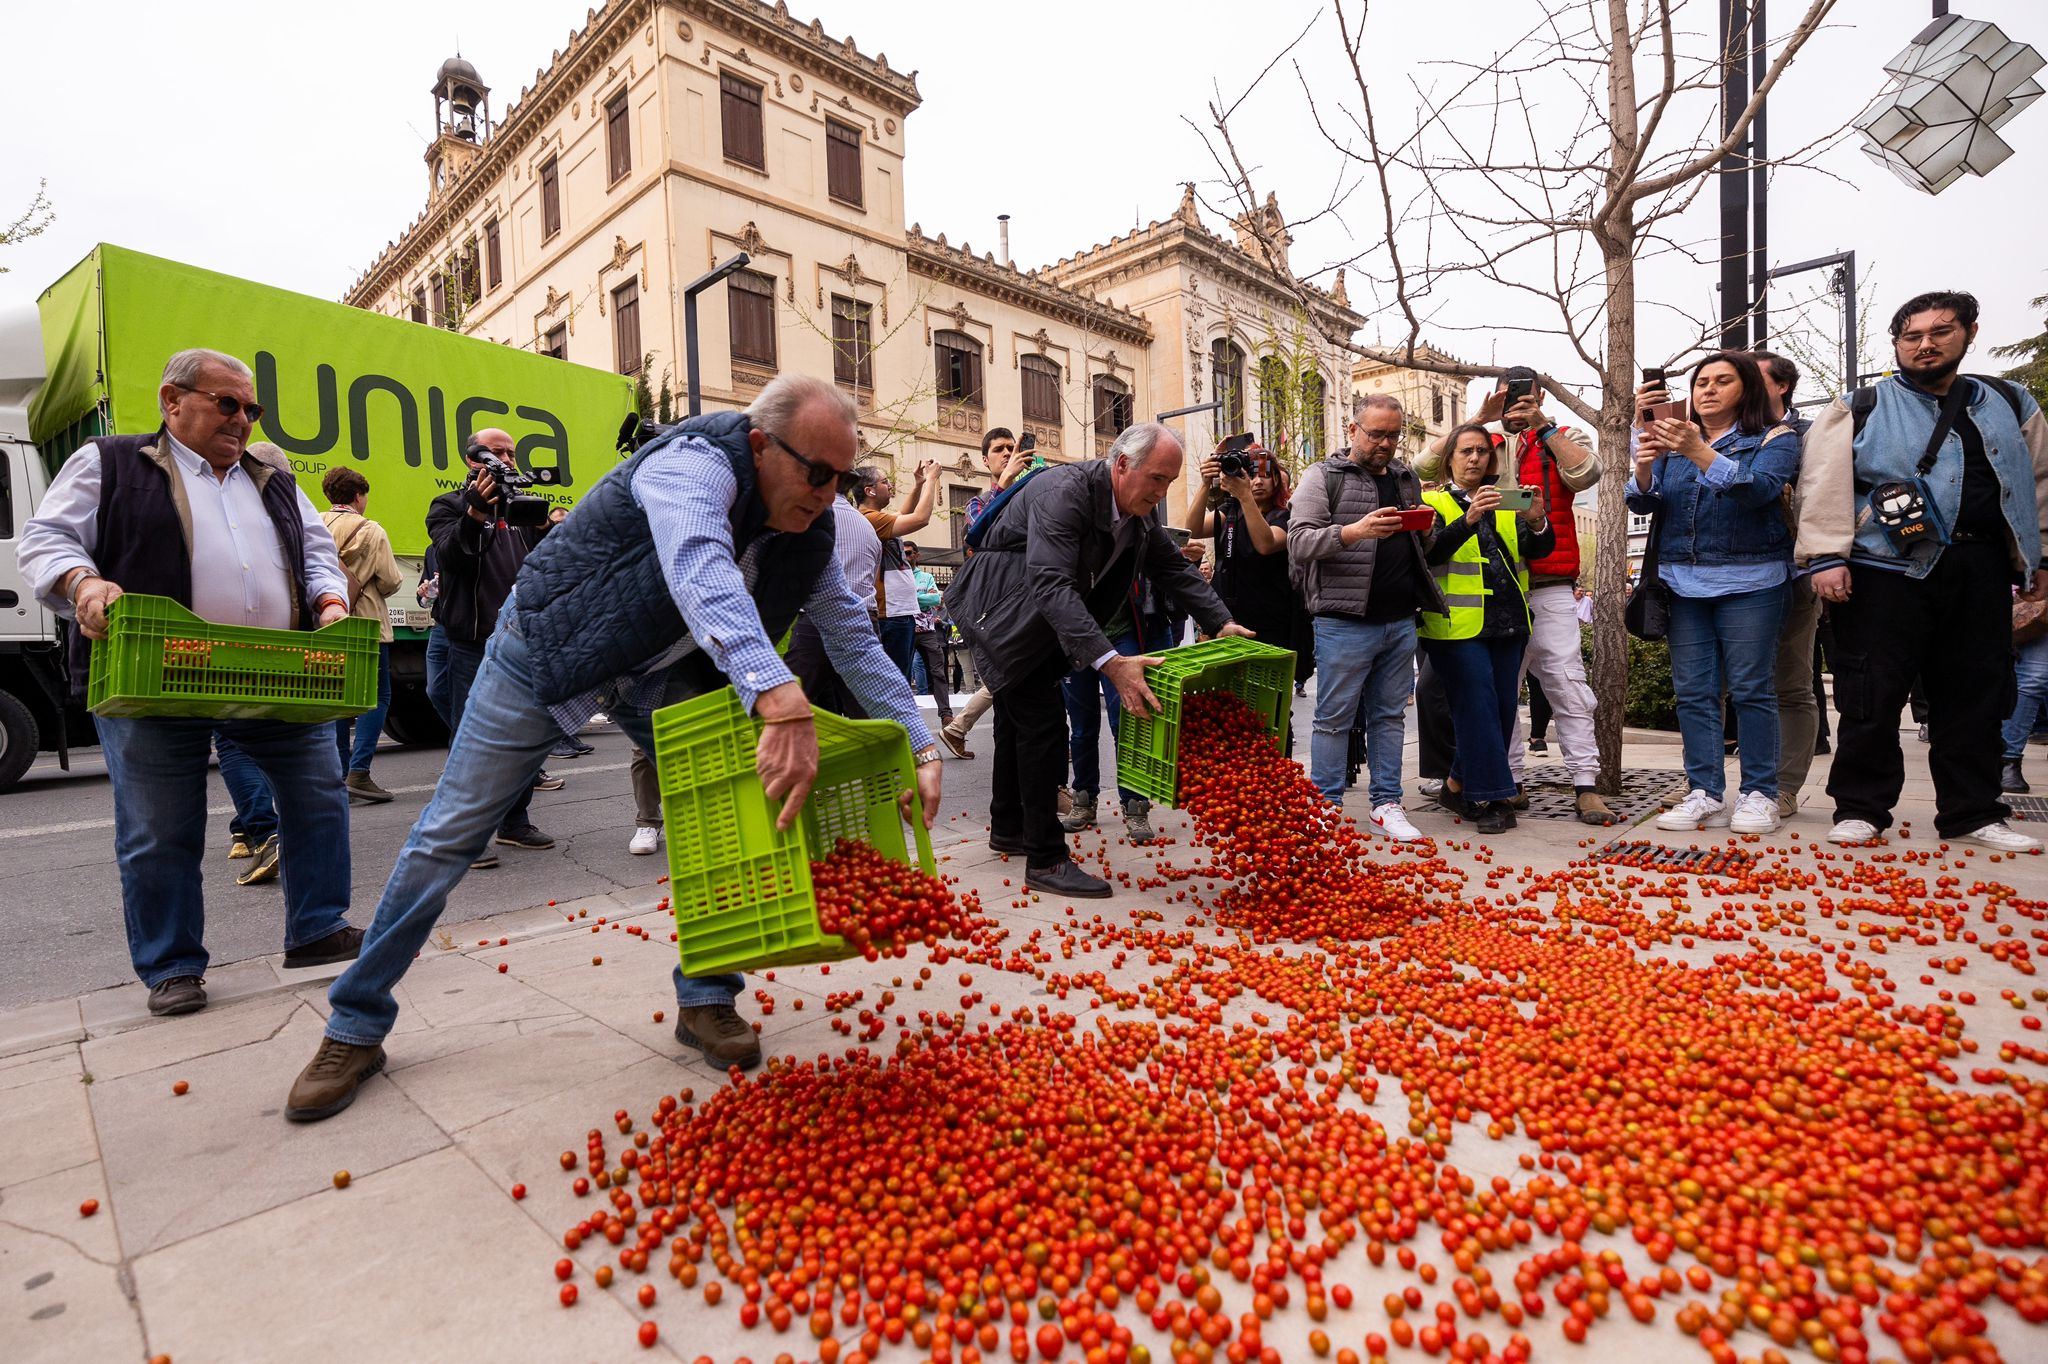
(1660, 857)
(1642, 790)
(2028, 807)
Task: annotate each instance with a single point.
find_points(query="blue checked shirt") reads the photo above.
(688, 499)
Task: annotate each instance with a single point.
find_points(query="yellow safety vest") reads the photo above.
(1462, 578)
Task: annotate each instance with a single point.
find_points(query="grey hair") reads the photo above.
(788, 394)
(1135, 443)
(184, 368)
(1362, 401)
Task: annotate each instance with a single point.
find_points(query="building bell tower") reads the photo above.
(462, 120)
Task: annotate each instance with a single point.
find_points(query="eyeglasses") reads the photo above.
(1379, 437)
(816, 472)
(228, 406)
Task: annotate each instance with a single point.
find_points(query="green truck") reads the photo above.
(338, 385)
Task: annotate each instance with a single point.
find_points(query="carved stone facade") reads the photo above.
(670, 134)
(1433, 402)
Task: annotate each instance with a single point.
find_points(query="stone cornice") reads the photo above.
(1177, 236)
(934, 259)
(772, 28)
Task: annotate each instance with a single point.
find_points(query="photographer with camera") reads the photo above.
(1924, 503)
(479, 543)
(1245, 510)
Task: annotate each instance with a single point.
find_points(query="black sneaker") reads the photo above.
(569, 748)
(1495, 817)
(1013, 846)
(719, 1032)
(1538, 745)
(546, 782)
(525, 836)
(178, 995)
(1066, 879)
(343, 944)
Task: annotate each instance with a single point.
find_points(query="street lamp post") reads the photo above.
(690, 292)
(1844, 285)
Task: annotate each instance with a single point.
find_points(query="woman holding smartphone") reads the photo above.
(1481, 562)
(1715, 483)
(1249, 522)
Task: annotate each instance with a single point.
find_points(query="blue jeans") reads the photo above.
(899, 640)
(359, 747)
(1733, 642)
(255, 817)
(1364, 671)
(1481, 680)
(463, 661)
(1084, 721)
(504, 738)
(158, 770)
(2032, 674)
(437, 676)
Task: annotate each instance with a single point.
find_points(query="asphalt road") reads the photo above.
(60, 890)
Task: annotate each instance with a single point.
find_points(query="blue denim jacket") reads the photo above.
(1735, 515)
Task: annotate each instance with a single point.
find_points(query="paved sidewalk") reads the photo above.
(221, 1235)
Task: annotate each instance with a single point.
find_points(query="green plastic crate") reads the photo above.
(1148, 749)
(160, 659)
(740, 888)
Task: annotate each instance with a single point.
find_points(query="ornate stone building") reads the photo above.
(669, 134)
(1434, 402)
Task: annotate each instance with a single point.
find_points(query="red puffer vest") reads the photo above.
(1539, 470)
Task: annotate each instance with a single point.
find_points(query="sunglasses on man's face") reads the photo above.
(816, 471)
(228, 406)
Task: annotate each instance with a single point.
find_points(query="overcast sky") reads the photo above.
(283, 142)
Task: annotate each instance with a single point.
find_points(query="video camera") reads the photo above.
(511, 507)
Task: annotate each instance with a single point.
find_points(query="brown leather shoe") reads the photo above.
(330, 1080)
(343, 944)
(178, 995)
(361, 787)
(720, 1033)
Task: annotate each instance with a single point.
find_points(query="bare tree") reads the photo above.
(1807, 330)
(1550, 213)
(33, 221)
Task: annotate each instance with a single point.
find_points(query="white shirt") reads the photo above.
(859, 550)
(238, 568)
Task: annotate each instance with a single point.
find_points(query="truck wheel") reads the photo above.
(412, 720)
(18, 740)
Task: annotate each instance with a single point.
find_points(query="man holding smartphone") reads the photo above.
(1554, 463)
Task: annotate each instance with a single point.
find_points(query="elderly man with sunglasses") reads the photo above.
(192, 511)
(673, 577)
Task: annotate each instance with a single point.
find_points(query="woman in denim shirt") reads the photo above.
(1717, 485)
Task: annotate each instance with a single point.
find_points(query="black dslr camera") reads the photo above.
(509, 505)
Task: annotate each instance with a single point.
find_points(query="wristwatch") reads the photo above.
(928, 754)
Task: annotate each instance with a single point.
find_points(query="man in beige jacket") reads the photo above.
(373, 577)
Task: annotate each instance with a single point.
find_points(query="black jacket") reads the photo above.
(478, 563)
(1051, 569)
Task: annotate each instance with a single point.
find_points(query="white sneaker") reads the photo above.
(1853, 831)
(1391, 820)
(1755, 813)
(645, 841)
(1431, 787)
(1697, 810)
(2003, 837)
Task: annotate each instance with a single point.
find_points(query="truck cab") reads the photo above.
(34, 709)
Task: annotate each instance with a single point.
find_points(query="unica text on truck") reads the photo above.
(339, 386)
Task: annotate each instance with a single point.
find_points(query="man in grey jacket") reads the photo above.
(1363, 578)
(1042, 593)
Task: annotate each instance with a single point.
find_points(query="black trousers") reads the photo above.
(1031, 762)
(937, 675)
(1952, 630)
(823, 687)
(1437, 740)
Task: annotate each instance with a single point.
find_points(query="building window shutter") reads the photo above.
(437, 297)
(556, 342)
(550, 199)
(842, 162)
(1041, 389)
(494, 257)
(1112, 407)
(626, 327)
(740, 114)
(853, 350)
(419, 303)
(956, 359)
(1272, 402)
(618, 136)
(750, 309)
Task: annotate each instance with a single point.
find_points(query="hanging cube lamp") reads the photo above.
(1953, 87)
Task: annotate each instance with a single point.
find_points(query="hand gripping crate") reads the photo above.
(740, 888)
(159, 659)
(1148, 749)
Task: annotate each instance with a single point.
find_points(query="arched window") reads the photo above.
(1041, 389)
(1226, 380)
(956, 360)
(1315, 417)
(1274, 418)
(1112, 403)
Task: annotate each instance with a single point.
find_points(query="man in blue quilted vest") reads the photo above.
(193, 512)
(673, 577)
